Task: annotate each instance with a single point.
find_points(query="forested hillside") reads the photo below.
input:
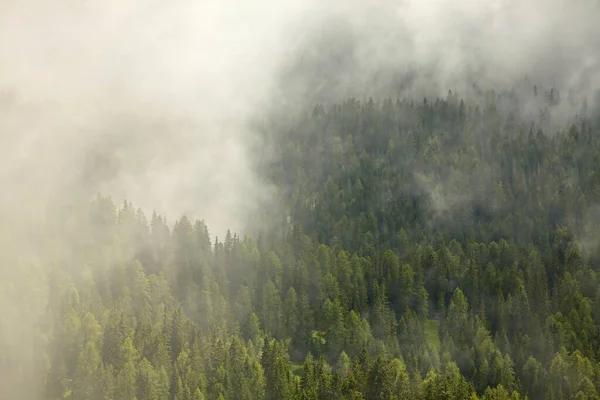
(432, 249)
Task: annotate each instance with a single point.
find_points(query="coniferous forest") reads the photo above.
(443, 248)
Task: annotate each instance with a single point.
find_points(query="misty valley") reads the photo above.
(434, 249)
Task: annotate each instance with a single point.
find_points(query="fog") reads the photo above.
(153, 101)
(143, 100)
(415, 49)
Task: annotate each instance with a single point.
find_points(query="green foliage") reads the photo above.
(438, 250)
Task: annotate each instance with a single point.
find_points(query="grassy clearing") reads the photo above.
(296, 367)
(432, 333)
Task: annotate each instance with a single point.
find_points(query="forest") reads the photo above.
(440, 248)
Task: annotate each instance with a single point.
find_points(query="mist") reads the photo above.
(155, 102)
(147, 101)
(152, 101)
(414, 49)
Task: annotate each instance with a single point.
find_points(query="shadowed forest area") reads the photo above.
(431, 249)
